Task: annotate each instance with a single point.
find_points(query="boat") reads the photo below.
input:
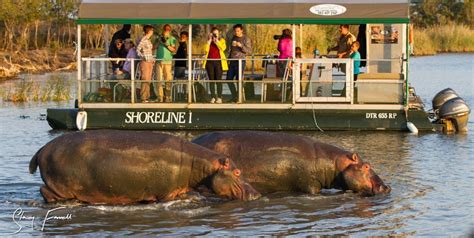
(317, 93)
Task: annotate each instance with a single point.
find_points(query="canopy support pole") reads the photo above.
(79, 66)
(293, 30)
(253, 51)
(190, 62)
(106, 39)
(301, 36)
(293, 76)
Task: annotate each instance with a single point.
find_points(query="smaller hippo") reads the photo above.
(123, 167)
(274, 162)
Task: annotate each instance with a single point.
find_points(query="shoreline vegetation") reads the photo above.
(38, 36)
(449, 38)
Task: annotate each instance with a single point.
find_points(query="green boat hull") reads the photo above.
(238, 119)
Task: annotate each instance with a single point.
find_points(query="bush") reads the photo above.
(445, 38)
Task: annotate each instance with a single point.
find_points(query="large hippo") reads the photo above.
(122, 167)
(283, 162)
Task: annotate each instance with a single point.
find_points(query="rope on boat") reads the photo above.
(314, 112)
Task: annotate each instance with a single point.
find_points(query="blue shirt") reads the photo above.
(356, 57)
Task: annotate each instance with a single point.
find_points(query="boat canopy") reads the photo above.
(243, 11)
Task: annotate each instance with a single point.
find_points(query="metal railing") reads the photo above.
(327, 80)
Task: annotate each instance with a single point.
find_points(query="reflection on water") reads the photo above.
(431, 176)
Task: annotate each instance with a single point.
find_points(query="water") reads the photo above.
(431, 177)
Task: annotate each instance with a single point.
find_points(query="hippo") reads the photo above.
(280, 162)
(125, 167)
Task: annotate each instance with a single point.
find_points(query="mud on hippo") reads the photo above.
(275, 162)
(123, 167)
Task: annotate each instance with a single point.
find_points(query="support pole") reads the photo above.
(293, 81)
(79, 66)
(106, 39)
(301, 36)
(240, 80)
(253, 51)
(132, 77)
(190, 63)
(294, 39)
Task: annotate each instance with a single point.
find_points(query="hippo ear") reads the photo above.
(355, 158)
(237, 172)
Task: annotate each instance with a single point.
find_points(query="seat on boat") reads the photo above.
(275, 81)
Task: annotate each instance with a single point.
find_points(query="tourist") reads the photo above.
(217, 63)
(117, 51)
(181, 56)
(303, 75)
(355, 55)
(165, 50)
(145, 52)
(122, 34)
(344, 44)
(125, 72)
(285, 47)
(241, 47)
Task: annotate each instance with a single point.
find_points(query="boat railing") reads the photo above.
(317, 80)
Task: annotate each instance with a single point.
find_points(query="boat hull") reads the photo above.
(237, 119)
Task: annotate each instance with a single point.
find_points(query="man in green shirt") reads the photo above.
(164, 54)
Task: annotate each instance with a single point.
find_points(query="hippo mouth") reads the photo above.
(378, 188)
(249, 193)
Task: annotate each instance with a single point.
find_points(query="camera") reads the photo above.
(214, 35)
(277, 37)
(163, 39)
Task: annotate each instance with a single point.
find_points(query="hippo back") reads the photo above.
(121, 166)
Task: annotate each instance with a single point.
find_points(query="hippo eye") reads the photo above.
(366, 166)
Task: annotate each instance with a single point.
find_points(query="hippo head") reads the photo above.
(361, 178)
(229, 184)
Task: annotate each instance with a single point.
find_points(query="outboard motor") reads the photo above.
(451, 110)
(442, 97)
(457, 111)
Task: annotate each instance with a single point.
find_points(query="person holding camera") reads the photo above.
(215, 62)
(165, 50)
(285, 47)
(241, 46)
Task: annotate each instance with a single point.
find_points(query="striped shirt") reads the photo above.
(145, 50)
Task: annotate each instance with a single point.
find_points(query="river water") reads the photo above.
(431, 176)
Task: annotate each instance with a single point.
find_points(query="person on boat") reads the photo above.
(181, 56)
(344, 43)
(125, 72)
(285, 47)
(114, 51)
(145, 52)
(215, 62)
(117, 51)
(241, 47)
(164, 53)
(411, 39)
(122, 34)
(355, 55)
(303, 67)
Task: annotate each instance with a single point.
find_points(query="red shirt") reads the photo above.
(214, 52)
